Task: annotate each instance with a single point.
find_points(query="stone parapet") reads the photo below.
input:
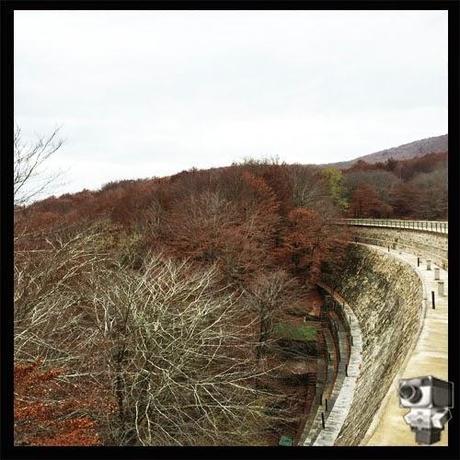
(432, 246)
(350, 344)
(386, 297)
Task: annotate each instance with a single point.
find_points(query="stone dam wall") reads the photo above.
(428, 245)
(386, 296)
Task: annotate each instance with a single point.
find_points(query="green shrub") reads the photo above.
(294, 332)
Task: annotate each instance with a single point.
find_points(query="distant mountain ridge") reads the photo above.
(411, 150)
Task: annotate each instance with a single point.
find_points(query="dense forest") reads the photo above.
(163, 311)
(408, 189)
(158, 312)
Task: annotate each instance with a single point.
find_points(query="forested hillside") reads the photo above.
(416, 188)
(183, 310)
(420, 148)
(163, 311)
(180, 237)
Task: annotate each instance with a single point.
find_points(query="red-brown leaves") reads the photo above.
(365, 202)
(308, 240)
(300, 239)
(417, 188)
(234, 228)
(406, 199)
(46, 412)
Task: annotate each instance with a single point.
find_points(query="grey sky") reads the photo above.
(151, 93)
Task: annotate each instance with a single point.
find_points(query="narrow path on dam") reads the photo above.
(428, 357)
(349, 361)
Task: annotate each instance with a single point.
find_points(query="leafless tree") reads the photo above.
(47, 279)
(268, 295)
(29, 179)
(308, 190)
(168, 346)
(180, 358)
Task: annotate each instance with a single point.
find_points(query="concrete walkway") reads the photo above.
(429, 356)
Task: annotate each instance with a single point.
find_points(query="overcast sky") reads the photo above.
(150, 93)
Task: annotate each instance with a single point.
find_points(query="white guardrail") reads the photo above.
(423, 225)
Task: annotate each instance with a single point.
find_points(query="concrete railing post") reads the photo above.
(436, 273)
(441, 288)
(428, 264)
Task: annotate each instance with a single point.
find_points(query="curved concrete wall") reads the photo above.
(429, 245)
(387, 297)
(428, 357)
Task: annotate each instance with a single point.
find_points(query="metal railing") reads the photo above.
(423, 225)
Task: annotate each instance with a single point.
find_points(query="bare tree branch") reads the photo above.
(29, 180)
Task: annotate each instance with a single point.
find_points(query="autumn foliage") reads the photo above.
(49, 412)
(145, 311)
(247, 242)
(366, 202)
(410, 189)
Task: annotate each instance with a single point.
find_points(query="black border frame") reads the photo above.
(7, 449)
